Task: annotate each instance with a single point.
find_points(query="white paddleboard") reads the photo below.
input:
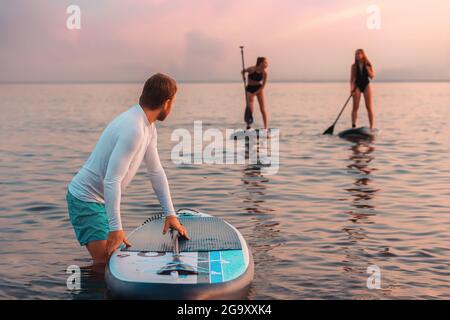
(215, 264)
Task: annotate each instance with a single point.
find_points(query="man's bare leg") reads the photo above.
(97, 250)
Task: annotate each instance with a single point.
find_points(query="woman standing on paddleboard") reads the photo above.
(361, 73)
(257, 79)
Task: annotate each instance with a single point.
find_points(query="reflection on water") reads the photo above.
(360, 195)
(92, 285)
(254, 185)
(264, 230)
(363, 192)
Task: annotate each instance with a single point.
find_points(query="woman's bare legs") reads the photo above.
(97, 249)
(356, 99)
(369, 105)
(251, 101)
(262, 107)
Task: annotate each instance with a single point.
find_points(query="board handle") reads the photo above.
(187, 209)
(175, 235)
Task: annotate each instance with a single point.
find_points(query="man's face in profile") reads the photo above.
(165, 111)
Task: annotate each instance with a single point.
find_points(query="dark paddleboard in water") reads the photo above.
(253, 133)
(362, 133)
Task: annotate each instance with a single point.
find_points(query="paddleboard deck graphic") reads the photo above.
(215, 264)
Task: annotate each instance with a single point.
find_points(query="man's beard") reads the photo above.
(162, 115)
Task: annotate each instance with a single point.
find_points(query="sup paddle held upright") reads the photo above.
(330, 130)
(248, 116)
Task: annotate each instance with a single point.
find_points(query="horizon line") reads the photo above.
(218, 81)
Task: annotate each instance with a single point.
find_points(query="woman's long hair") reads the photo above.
(365, 59)
(260, 60)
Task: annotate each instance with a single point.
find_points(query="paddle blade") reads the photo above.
(248, 116)
(330, 130)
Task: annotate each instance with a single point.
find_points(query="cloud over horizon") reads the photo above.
(199, 40)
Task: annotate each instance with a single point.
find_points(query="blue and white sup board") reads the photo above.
(215, 263)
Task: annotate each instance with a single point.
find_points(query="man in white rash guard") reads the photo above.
(94, 194)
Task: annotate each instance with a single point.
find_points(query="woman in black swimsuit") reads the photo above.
(257, 79)
(361, 73)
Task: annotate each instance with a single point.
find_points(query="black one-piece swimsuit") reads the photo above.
(255, 76)
(362, 78)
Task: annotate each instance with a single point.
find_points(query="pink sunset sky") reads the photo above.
(198, 40)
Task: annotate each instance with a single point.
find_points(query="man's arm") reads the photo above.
(160, 185)
(118, 165)
(125, 149)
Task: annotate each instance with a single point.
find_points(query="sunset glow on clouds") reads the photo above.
(198, 39)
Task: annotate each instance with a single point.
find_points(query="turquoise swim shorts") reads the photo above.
(89, 219)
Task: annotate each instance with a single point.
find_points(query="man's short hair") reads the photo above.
(157, 89)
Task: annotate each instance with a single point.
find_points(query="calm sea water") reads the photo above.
(333, 209)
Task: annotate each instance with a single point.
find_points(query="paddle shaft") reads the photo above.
(248, 117)
(243, 69)
(342, 110)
